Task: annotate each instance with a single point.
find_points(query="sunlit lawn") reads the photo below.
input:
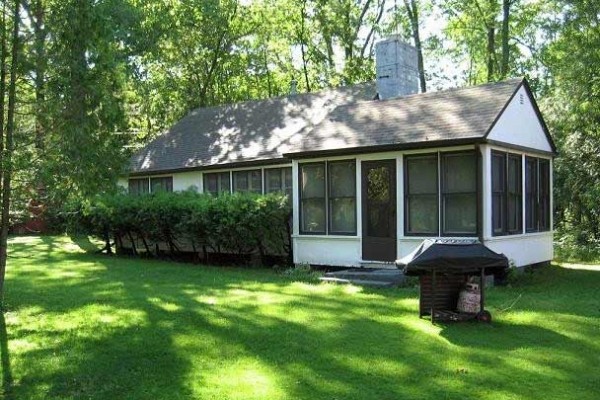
(83, 326)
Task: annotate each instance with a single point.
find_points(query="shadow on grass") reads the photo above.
(84, 243)
(125, 328)
(7, 378)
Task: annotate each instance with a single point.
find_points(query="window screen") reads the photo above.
(342, 197)
(139, 186)
(312, 198)
(459, 193)
(162, 184)
(421, 197)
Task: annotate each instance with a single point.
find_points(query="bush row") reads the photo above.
(170, 223)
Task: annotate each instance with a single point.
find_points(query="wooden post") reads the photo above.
(433, 296)
(481, 289)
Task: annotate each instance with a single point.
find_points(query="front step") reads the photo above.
(358, 282)
(390, 265)
(361, 277)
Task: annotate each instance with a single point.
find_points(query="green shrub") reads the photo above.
(240, 224)
(575, 245)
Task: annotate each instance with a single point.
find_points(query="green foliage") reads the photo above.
(238, 224)
(573, 113)
(301, 273)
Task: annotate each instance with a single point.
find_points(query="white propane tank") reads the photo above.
(469, 298)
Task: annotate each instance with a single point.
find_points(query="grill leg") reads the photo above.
(433, 297)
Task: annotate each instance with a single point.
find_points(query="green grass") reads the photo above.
(83, 326)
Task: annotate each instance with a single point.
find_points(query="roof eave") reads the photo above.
(236, 164)
(384, 148)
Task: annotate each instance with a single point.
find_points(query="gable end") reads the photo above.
(520, 123)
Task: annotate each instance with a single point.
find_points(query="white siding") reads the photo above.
(526, 249)
(347, 251)
(519, 125)
(327, 250)
(522, 249)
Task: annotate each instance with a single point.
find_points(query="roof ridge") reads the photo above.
(287, 96)
(457, 89)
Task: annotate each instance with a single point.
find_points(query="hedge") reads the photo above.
(239, 224)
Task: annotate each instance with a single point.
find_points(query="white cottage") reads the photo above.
(375, 169)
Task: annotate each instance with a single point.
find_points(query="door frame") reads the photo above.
(364, 165)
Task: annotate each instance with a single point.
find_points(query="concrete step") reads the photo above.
(358, 282)
(359, 276)
(378, 265)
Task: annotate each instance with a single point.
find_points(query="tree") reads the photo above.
(412, 10)
(8, 144)
(573, 111)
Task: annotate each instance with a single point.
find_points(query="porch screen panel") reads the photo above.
(544, 196)
(498, 193)
(279, 180)
(312, 198)
(247, 181)
(240, 182)
(287, 182)
(217, 183)
(162, 184)
(422, 195)
(531, 194)
(224, 182)
(273, 180)
(342, 197)
(514, 223)
(459, 194)
(138, 186)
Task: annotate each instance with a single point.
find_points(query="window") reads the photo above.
(498, 193)
(279, 180)
(163, 184)
(217, 183)
(421, 195)
(544, 199)
(537, 192)
(454, 208)
(531, 194)
(138, 186)
(514, 201)
(342, 197)
(459, 194)
(328, 198)
(507, 196)
(312, 198)
(247, 181)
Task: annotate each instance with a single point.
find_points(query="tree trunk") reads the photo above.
(505, 32)
(7, 166)
(413, 15)
(3, 55)
(37, 15)
(491, 42)
(302, 44)
(368, 42)
(491, 46)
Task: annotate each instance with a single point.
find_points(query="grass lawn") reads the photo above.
(83, 326)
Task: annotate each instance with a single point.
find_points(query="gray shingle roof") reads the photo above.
(451, 115)
(343, 118)
(242, 132)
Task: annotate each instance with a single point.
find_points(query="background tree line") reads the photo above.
(84, 82)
